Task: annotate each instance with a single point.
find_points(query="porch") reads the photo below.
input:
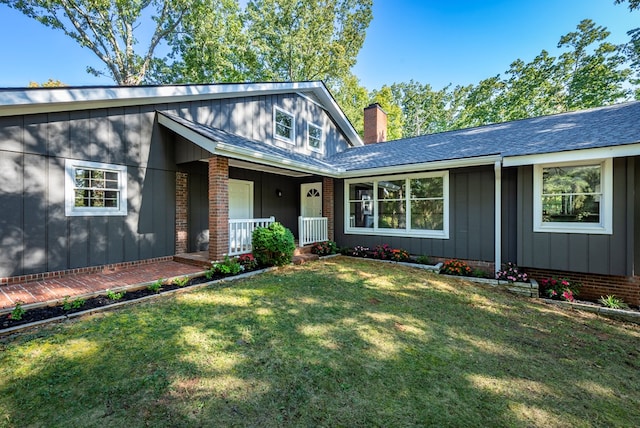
(311, 230)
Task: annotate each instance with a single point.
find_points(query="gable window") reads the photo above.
(403, 205)
(283, 123)
(573, 197)
(93, 189)
(314, 137)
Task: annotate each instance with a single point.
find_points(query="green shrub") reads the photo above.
(115, 296)
(18, 312)
(67, 304)
(181, 281)
(230, 266)
(423, 260)
(273, 245)
(613, 302)
(156, 286)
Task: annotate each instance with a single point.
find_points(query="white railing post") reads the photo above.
(312, 229)
(241, 232)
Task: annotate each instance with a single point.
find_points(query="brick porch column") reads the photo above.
(181, 212)
(218, 207)
(327, 204)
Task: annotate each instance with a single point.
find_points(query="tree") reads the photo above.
(593, 76)
(212, 46)
(51, 83)
(296, 40)
(352, 99)
(633, 47)
(384, 97)
(109, 28)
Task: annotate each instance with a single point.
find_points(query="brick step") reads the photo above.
(304, 258)
(302, 250)
(200, 259)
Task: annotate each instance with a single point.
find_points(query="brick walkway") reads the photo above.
(74, 285)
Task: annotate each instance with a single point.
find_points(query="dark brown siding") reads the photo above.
(589, 253)
(471, 220)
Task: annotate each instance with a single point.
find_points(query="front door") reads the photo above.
(240, 199)
(311, 199)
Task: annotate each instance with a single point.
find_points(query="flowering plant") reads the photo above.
(360, 251)
(455, 267)
(383, 252)
(399, 255)
(247, 261)
(324, 248)
(510, 272)
(559, 288)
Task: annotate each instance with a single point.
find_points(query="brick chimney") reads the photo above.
(375, 124)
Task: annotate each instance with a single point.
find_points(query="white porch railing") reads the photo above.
(312, 229)
(241, 231)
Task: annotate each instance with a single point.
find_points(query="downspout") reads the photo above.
(497, 168)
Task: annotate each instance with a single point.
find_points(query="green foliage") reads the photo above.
(68, 305)
(455, 267)
(384, 97)
(18, 312)
(155, 286)
(324, 248)
(115, 296)
(559, 288)
(423, 260)
(247, 261)
(229, 266)
(613, 302)
(112, 29)
(181, 281)
(273, 245)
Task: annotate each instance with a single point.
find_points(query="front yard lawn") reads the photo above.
(340, 342)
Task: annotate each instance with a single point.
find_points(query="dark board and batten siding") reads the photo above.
(578, 252)
(471, 220)
(36, 235)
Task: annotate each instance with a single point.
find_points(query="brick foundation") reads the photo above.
(218, 207)
(182, 224)
(328, 205)
(594, 286)
(90, 269)
(473, 264)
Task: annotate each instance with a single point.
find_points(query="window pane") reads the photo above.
(361, 214)
(284, 125)
(427, 215)
(427, 187)
(392, 215)
(361, 205)
(391, 189)
(571, 179)
(571, 208)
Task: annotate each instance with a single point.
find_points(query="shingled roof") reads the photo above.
(594, 128)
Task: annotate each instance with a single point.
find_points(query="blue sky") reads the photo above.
(435, 42)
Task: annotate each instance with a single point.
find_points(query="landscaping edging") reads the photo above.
(116, 304)
(620, 314)
(433, 268)
(527, 289)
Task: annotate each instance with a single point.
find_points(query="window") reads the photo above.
(93, 189)
(314, 137)
(573, 197)
(407, 205)
(283, 123)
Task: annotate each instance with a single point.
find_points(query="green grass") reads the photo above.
(340, 342)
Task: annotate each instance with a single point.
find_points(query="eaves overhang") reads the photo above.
(423, 166)
(233, 152)
(21, 101)
(624, 150)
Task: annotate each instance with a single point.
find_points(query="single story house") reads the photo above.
(95, 177)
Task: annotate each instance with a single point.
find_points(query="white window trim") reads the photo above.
(69, 190)
(605, 227)
(320, 147)
(407, 232)
(291, 140)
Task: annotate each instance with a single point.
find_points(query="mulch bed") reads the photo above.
(50, 312)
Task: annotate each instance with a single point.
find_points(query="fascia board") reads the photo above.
(425, 166)
(222, 149)
(574, 155)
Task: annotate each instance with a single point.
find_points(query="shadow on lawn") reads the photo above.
(332, 343)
